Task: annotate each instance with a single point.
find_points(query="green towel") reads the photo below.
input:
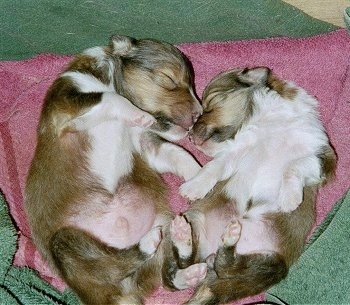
(22, 285)
(322, 274)
(29, 27)
(347, 17)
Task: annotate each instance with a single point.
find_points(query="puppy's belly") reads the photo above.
(211, 232)
(256, 237)
(256, 179)
(120, 222)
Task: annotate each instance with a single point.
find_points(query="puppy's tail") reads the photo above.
(239, 276)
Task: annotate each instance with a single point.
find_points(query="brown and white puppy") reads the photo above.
(270, 154)
(96, 204)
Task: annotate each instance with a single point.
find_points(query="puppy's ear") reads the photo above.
(255, 76)
(121, 45)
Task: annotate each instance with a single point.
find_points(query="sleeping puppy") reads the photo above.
(270, 154)
(96, 204)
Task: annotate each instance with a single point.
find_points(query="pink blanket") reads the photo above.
(319, 64)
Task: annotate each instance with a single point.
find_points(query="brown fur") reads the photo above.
(281, 87)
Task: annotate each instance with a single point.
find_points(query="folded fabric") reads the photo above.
(320, 64)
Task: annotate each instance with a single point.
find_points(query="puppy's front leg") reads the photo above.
(222, 167)
(112, 106)
(165, 157)
(202, 184)
(180, 270)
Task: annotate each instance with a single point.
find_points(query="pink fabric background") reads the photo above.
(320, 64)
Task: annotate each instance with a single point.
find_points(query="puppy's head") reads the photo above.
(227, 104)
(157, 78)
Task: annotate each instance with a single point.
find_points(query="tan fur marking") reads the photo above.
(328, 163)
(281, 87)
(88, 64)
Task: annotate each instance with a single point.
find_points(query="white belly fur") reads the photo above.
(121, 220)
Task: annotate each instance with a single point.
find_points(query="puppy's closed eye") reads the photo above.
(223, 133)
(165, 81)
(163, 121)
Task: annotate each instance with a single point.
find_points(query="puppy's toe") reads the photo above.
(192, 191)
(143, 120)
(181, 236)
(290, 201)
(231, 234)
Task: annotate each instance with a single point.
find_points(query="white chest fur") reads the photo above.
(288, 137)
(111, 153)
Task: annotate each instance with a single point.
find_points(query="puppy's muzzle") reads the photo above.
(187, 119)
(200, 133)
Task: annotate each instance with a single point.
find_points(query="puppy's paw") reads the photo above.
(149, 243)
(181, 236)
(210, 260)
(231, 234)
(194, 189)
(291, 191)
(141, 119)
(290, 201)
(191, 276)
(191, 170)
(290, 195)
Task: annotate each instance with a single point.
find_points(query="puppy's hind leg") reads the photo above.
(181, 236)
(236, 276)
(94, 270)
(189, 275)
(179, 270)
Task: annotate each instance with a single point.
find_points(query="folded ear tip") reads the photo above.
(121, 45)
(256, 75)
